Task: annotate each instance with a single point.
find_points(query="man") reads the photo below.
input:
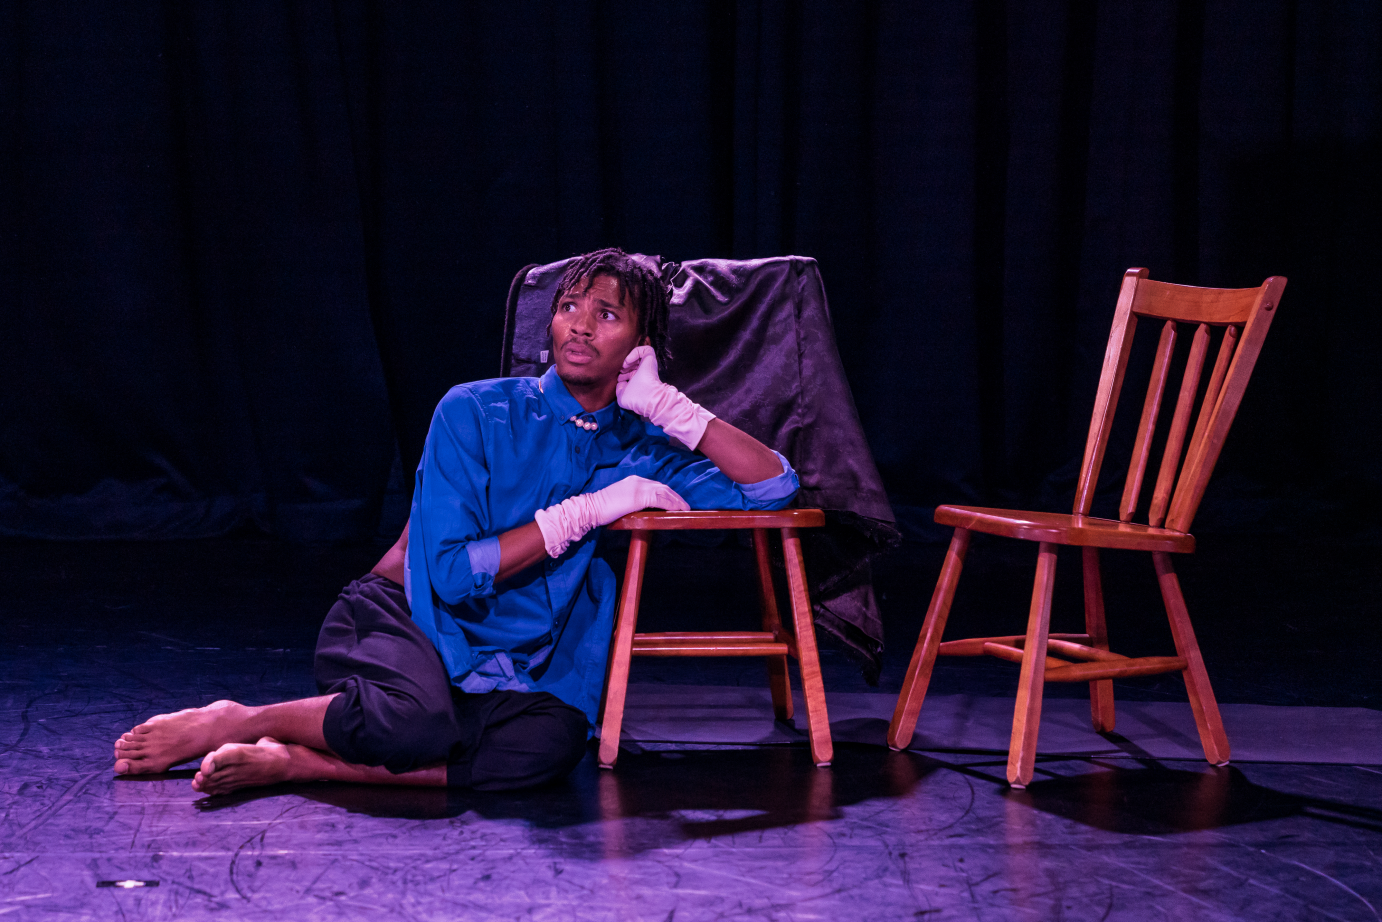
(474, 653)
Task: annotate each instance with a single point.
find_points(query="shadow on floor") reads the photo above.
(712, 793)
(705, 792)
(1153, 799)
(1156, 800)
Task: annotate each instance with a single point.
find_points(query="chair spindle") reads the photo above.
(1210, 406)
(1151, 411)
(1175, 439)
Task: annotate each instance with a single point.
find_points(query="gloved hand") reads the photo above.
(641, 390)
(570, 519)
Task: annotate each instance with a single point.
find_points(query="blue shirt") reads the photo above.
(497, 452)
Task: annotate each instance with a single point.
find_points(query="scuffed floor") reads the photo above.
(679, 830)
(711, 834)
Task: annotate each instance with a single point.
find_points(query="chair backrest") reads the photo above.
(1243, 315)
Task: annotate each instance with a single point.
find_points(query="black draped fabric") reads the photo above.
(752, 341)
(245, 248)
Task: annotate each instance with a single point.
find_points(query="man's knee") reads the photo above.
(568, 733)
(542, 743)
(372, 725)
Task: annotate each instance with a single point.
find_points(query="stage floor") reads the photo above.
(714, 810)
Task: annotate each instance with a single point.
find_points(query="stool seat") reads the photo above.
(696, 519)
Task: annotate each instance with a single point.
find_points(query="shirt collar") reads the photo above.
(566, 406)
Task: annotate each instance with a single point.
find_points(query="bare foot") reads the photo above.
(168, 739)
(242, 765)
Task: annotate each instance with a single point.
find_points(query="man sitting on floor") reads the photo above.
(459, 660)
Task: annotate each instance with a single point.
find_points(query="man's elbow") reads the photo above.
(775, 504)
(776, 492)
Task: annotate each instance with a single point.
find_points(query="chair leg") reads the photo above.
(1201, 694)
(808, 659)
(1031, 684)
(621, 650)
(778, 679)
(904, 722)
(1100, 692)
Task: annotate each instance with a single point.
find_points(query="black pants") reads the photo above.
(395, 707)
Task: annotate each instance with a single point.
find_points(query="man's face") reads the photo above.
(592, 332)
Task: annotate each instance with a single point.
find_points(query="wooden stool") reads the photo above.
(772, 642)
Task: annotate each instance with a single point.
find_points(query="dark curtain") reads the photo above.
(245, 247)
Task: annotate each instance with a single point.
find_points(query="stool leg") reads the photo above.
(778, 679)
(808, 659)
(1100, 692)
(621, 650)
(918, 677)
(1032, 682)
(1197, 687)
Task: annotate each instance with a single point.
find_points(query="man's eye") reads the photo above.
(608, 315)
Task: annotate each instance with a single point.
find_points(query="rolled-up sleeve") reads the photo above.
(484, 556)
(703, 485)
(775, 492)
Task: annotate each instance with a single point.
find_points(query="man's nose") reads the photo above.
(583, 322)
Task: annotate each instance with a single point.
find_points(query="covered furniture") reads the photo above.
(752, 341)
(1239, 319)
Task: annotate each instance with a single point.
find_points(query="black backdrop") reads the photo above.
(245, 247)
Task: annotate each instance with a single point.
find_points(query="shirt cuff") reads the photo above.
(495, 673)
(484, 557)
(775, 489)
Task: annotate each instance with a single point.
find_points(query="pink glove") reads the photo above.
(570, 519)
(640, 389)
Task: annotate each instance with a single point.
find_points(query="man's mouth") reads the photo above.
(578, 351)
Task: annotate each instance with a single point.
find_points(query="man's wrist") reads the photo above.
(564, 523)
(551, 522)
(680, 417)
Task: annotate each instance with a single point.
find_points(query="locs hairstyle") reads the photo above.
(637, 285)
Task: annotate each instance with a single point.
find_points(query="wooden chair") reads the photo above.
(1244, 315)
(772, 642)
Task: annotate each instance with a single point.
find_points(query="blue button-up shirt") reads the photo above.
(497, 452)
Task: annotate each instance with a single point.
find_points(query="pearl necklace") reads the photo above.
(588, 425)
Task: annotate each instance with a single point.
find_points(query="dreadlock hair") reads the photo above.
(638, 286)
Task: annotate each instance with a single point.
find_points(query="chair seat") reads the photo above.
(657, 520)
(1064, 528)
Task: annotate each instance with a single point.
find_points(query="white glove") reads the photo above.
(570, 519)
(641, 390)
